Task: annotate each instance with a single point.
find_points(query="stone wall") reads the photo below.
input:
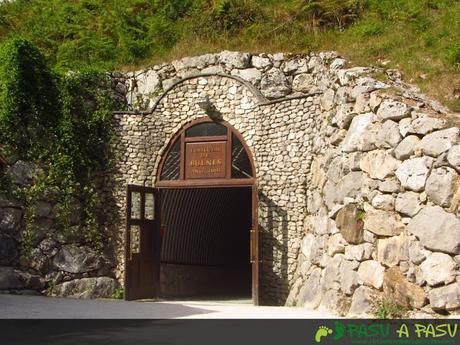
(355, 175)
(58, 264)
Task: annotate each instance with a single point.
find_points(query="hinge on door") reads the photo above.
(251, 246)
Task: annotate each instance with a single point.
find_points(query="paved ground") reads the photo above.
(35, 307)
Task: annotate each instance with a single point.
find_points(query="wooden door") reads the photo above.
(142, 243)
(254, 253)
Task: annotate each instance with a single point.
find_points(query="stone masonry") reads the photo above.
(358, 178)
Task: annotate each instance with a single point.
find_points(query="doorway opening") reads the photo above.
(206, 243)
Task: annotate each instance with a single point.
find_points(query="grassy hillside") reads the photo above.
(420, 37)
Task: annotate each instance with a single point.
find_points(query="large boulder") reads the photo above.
(445, 298)
(235, 59)
(408, 203)
(383, 223)
(441, 185)
(370, 273)
(22, 173)
(392, 250)
(349, 224)
(453, 157)
(379, 164)
(201, 61)
(274, 84)
(10, 221)
(98, 287)
(12, 279)
(393, 110)
(440, 141)
(363, 301)
(437, 229)
(406, 147)
(8, 250)
(75, 259)
(399, 289)
(425, 124)
(310, 294)
(413, 173)
(252, 75)
(438, 268)
(361, 135)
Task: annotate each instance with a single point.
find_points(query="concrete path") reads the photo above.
(37, 307)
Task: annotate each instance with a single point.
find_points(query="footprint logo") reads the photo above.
(322, 332)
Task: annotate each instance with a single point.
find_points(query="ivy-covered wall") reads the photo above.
(55, 137)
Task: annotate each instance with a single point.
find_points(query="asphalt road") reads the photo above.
(37, 307)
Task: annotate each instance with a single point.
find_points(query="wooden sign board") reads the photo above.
(205, 160)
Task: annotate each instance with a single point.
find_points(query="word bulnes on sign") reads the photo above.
(205, 160)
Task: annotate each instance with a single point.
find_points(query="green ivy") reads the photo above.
(62, 124)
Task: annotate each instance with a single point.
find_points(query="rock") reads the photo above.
(389, 135)
(10, 221)
(424, 124)
(100, 287)
(336, 244)
(11, 278)
(274, 84)
(307, 244)
(213, 70)
(252, 75)
(310, 294)
(350, 74)
(406, 147)
(338, 168)
(361, 134)
(338, 137)
(390, 185)
(147, 83)
(392, 250)
(362, 302)
(438, 142)
(167, 83)
(303, 83)
(392, 110)
(405, 126)
(383, 223)
(75, 259)
(43, 209)
(22, 173)
(370, 273)
(195, 62)
(383, 202)
(261, 62)
(351, 186)
(437, 229)
(438, 268)
(445, 298)
(333, 301)
(338, 64)
(416, 253)
(453, 157)
(327, 100)
(348, 278)
(331, 274)
(401, 291)
(359, 252)
(408, 203)
(343, 116)
(296, 66)
(379, 164)
(349, 224)
(235, 59)
(9, 202)
(441, 186)
(413, 173)
(8, 250)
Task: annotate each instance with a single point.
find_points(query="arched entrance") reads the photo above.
(200, 219)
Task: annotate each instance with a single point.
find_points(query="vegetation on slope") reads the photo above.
(420, 37)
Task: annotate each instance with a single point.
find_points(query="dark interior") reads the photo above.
(205, 248)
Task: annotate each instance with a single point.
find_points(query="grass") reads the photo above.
(386, 308)
(419, 37)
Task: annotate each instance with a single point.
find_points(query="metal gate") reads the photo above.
(142, 243)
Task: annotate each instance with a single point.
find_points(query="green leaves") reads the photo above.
(61, 123)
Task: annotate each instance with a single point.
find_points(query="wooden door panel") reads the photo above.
(142, 243)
